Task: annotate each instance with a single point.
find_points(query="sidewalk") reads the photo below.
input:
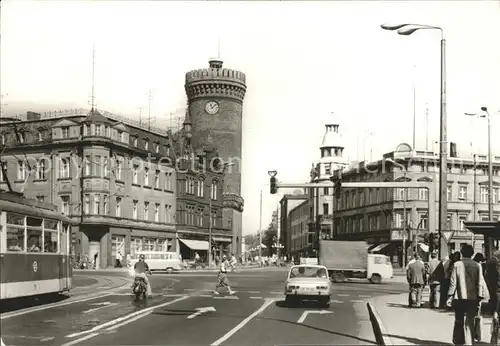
(405, 326)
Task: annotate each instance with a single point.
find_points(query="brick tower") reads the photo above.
(215, 98)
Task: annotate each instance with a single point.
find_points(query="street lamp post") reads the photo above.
(490, 167)
(406, 30)
(260, 230)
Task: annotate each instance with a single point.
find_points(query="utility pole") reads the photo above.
(149, 110)
(474, 203)
(426, 127)
(210, 260)
(140, 116)
(260, 230)
(414, 105)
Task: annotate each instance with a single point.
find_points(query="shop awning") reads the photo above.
(222, 240)
(379, 247)
(195, 244)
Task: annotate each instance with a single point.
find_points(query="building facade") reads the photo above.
(215, 97)
(377, 215)
(116, 180)
(301, 240)
(288, 203)
(200, 180)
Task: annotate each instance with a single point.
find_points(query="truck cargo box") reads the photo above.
(343, 255)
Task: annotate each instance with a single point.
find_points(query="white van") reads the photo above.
(159, 261)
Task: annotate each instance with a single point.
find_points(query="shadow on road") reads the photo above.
(14, 304)
(417, 341)
(298, 305)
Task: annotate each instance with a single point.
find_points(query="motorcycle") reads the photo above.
(140, 288)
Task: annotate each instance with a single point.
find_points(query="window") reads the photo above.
(87, 204)
(65, 132)
(157, 148)
(40, 199)
(40, 136)
(214, 190)
(424, 223)
(2, 176)
(157, 179)
(134, 141)
(168, 213)
(400, 194)
(146, 144)
(449, 193)
(2, 139)
(398, 219)
(64, 168)
(484, 194)
(200, 217)
(462, 193)
(107, 131)
(106, 167)
(201, 187)
(326, 191)
(134, 209)
(328, 169)
(88, 165)
(85, 129)
(146, 176)
(168, 181)
(325, 208)
(423, 194)
(96, 205)
(97, 165)
(65, 205)
(135, 175)
(20, 137)
(119, 169)
(448, 222)
(97, 130)
(146, 211)
(15, 232)
(157, 212)
(105, 205)
(40, 170)
(461, 220)
(21, 170)
(118, 207)
(496, 195)
(214, 218)
(117, 245)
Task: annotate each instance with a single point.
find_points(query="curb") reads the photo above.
(378, 326)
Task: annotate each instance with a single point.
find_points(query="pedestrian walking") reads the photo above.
(223, 281)
(416, 276)
(118, 259)
(467, 289)
(433, 281)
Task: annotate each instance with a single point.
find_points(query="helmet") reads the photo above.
(224, 256)
(142, 257)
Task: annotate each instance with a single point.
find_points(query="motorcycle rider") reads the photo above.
(140, 269)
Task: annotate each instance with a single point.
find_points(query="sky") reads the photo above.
(303, 62)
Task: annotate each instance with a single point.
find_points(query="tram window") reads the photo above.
(15, 239)
(50, 224)
(50, 241)
(34, 240)
(15, 219)
(33, 222)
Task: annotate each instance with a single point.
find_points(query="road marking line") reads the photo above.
(49, 306)
(336, 301)
(276, 293)
(243, 323)
(255, 297)
(128, 321)
(48, 339)
(77, 341)
(118, 320)
(342, 295)
(364, 296)
(100, 307)
(103, 287)
(253, 292)
(205, 295)
(357, 301)
(189, 289)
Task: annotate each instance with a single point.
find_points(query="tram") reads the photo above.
(35, 251)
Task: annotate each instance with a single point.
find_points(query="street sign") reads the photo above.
(305, 313)
(201, 311)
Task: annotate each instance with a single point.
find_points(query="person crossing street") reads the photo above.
(223, 281)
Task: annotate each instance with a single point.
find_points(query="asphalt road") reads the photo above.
(184, 312)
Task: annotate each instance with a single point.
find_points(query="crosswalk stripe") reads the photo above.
(276, 293)
(253, 292)
(342, 295)
(336, 301)
(356, 301)
(364, 296)
(255, 297)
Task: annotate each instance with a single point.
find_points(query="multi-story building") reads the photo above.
(114, 178)
(377, 215)
(301, 240)
(288, 203)
(200, 181)
(215, 97)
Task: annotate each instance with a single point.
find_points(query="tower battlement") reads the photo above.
(215, 81)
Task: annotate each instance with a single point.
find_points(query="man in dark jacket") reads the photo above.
(416, 279)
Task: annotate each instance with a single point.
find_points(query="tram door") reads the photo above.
(95, 248)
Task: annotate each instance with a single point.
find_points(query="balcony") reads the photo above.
(233, 201)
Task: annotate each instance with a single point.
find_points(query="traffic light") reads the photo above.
(273, 186)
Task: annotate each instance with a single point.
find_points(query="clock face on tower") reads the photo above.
(212, 107)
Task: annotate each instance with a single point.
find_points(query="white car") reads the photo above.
(308, 282)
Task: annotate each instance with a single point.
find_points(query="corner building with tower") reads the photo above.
(215, 102)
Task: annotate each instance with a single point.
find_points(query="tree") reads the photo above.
(252, 240)
(269, 238)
